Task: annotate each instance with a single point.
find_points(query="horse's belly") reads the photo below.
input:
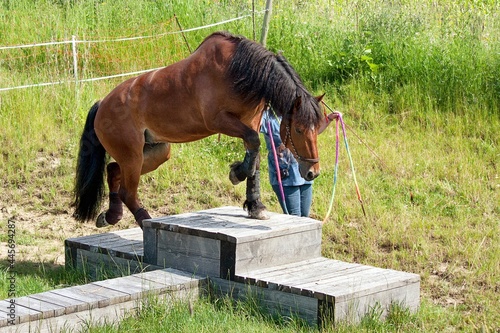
(178, 134)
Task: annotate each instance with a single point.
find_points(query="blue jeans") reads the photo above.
(298, 199)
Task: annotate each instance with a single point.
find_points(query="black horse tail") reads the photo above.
(89, 185)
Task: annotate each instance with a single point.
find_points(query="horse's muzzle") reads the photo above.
(309, 171)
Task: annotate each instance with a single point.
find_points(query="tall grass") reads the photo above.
(422, 54)
(418, 82)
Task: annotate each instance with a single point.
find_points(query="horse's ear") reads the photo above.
(320, 98)
(297, 103)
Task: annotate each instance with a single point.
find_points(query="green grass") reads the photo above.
(223, 314)
(418, 82)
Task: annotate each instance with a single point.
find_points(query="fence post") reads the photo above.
(75, 58)
(265, 25)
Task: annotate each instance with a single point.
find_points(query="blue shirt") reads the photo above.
(285, 156)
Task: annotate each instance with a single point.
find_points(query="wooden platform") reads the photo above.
(277, 260)
(108, 255)
(342, 290)
(97, 302)
(223, 242)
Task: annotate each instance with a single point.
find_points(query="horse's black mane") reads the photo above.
(260, 74)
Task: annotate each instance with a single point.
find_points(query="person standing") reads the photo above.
(297, 190)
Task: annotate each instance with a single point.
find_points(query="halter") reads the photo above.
(288, 135)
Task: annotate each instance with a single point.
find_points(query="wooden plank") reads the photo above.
(307, 279)
(83, 301)
(358, 286)
(274, 301)
(150, 252)
(70, 305)
(47, 309)
(307, 286)
(292, 268)
(127, 285)
(100, 243)
(227, 227)
(23, 314)
(111, 242)
(176, 223)
(257, 273)
(197, 265)
(248, 230)
(106, 297)
(155, 287)
(92, 239)
(136, 248)
(100, 266)
(201, 228)
(278, 250)
(5, 318)
(74, 321)
(173, 278)
(370, 287)
(124, 236)
(284, 279)
(188, 245)
(354, 309)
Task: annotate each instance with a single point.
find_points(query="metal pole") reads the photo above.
(265, 25)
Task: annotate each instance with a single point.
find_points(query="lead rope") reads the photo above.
(341, 120)
(352, 166)
(278, 173)
(335, 169)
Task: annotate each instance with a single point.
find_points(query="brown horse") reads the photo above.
(223, 87)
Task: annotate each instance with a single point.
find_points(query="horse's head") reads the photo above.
(299, 134)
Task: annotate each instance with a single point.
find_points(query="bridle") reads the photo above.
(288, 136)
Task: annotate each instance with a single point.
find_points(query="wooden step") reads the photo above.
(107, 255)
(222, 242)
(97, 302)
(278, 259)
(348, 291)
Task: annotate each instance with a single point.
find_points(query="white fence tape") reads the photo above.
(74, 42)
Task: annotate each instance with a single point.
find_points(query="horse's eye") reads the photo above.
(298, 131)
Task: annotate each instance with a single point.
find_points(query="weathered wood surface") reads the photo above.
(224, 241)
(127, 244)
(273, 301)
(278, 259)
(232, 224)
(351, 289)
(76, 306)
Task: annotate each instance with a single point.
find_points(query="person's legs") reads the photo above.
(292, 199)
(305, 199)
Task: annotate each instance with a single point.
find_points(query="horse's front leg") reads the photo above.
(242, 170)
(253, 205)
(227, 123)
(249, 169)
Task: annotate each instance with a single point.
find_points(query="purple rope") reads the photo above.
(275, 154)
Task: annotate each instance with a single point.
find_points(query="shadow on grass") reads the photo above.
(30, 277)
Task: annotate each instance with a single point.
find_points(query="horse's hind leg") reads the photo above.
(115, 211)
(154, 154)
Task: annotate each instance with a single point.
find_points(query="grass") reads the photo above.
(418, 82)
(226, 315)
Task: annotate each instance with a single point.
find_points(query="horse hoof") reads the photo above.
(233, 178)
(259, 215)
(101, 221)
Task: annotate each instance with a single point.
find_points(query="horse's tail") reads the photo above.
(89, 185)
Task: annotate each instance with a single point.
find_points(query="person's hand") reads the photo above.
(333, 116)
(329, 118)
